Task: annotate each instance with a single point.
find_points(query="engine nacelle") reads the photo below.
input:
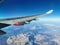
(21, 23)
(18, 24)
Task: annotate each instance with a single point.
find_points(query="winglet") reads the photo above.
(49, 12)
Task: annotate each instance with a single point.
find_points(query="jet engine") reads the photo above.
(18, 24)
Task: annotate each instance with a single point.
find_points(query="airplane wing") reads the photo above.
(2, 25)
(20, 20)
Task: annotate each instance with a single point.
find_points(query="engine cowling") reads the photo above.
(18, 24)
(21, 23)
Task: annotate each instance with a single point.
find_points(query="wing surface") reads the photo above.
(23, 19)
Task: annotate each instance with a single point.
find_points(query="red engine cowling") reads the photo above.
(18, 24)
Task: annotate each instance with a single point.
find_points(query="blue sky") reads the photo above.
(15, 8)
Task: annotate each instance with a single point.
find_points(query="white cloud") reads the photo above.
(49, 19)
(33, 28)
(16, 28)
(20, 39)
(39, 40)
(57, 39)
(50, 25)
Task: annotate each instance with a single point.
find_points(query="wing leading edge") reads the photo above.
(23, 19)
